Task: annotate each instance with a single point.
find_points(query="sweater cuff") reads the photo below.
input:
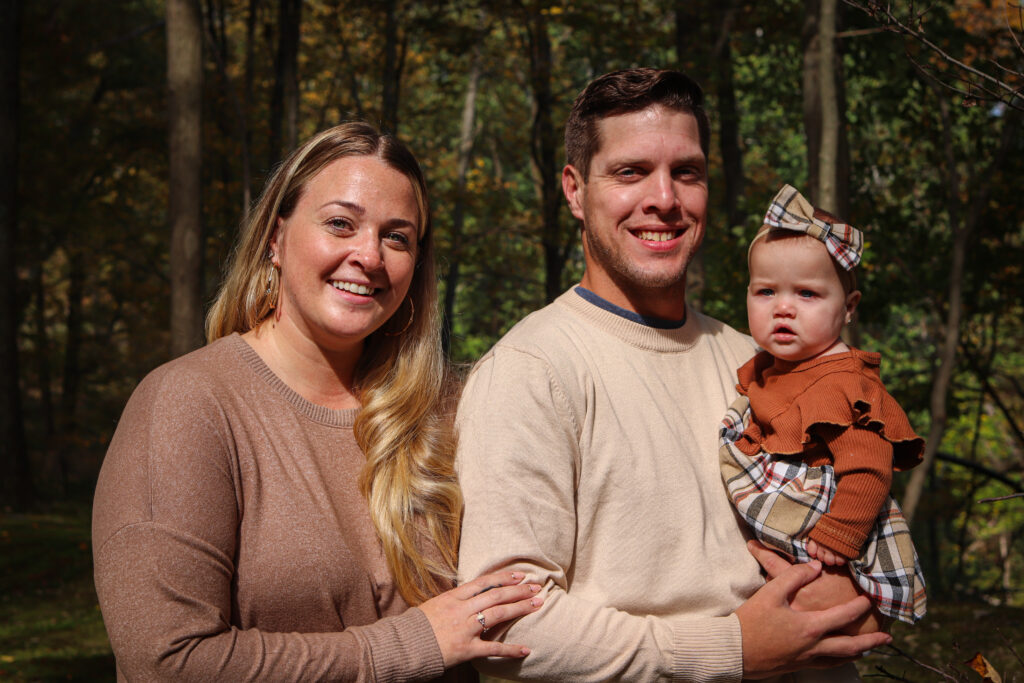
(838, 538)
(403, 648)
(708, 650)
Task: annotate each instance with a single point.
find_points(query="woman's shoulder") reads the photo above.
(173, 436)
(197, 372)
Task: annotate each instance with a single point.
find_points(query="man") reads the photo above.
(588, 434)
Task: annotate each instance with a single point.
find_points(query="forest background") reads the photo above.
(134, 135)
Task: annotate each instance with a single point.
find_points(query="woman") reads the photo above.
(272, 504)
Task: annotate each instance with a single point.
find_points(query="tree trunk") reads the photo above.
(811, 95)
(284, 98)
(42, 343)
(962, 227)
(392, 74)
(688, 18)
(185, 81)
(828, 150)
(467, 137)
(728, 116)
(291, 17)
(72, 361)
(247, 89)
(824, 95)
(544, 146)
(16, 471)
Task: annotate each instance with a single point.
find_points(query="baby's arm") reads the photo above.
(863, 465)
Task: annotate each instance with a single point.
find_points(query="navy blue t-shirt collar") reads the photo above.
(649, 321)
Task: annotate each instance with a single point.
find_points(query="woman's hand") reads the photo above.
(462, 615)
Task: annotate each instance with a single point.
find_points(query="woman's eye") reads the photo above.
(339, 224)
(398, 238)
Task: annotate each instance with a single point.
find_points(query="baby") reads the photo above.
(812, 468)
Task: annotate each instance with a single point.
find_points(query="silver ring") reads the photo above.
(483, 622)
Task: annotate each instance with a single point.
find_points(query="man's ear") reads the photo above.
(573, 186)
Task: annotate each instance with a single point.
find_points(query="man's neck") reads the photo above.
(650, 321)
(667, 304)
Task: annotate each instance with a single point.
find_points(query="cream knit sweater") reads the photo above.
(588, 458)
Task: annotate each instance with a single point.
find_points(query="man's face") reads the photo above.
(643, 207)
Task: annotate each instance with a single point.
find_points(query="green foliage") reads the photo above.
(93, 234)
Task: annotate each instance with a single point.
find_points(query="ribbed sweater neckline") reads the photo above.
(334, 418)
(868, 358)
(676, 340)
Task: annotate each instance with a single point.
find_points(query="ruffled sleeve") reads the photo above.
(748, 377)
(794, 402)
(858, 398)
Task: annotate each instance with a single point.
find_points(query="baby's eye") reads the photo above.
(807, 293)
(765, 291)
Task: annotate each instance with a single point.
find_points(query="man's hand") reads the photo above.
(833, 587)
(778, 637)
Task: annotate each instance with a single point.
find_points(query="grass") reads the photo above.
(50, 624)
(51, 628)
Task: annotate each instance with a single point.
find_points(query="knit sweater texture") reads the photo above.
(231, 541)
(832, 410)
(588, 459)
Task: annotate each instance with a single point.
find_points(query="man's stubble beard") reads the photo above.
(626, 274)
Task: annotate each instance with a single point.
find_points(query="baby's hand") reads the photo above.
(824, 554)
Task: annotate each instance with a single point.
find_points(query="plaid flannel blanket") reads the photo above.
(782, 500)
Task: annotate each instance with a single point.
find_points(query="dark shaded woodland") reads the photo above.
(136, 133)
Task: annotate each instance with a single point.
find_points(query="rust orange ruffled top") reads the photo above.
(832, 410)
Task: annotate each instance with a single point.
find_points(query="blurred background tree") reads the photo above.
(828, 96)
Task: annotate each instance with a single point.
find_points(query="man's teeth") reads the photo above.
(353, 287)
(656, 236)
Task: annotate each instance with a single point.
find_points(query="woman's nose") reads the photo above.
(367, 250)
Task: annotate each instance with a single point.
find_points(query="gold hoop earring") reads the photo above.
(412, 314)
(273, 286)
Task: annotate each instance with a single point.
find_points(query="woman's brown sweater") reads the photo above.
(232, 543)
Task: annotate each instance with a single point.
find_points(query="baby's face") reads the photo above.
(796, 306)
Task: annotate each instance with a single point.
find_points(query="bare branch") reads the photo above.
(995, 89)
(1014, 486)
(886, 674)
(1009, 644)
(998, 498)
(921, 664)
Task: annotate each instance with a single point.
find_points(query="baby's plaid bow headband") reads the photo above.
(790, 211)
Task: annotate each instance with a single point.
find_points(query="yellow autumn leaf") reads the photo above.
(984, 669)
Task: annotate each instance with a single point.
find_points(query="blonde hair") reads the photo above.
(404, 426)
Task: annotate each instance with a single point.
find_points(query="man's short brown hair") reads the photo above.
(623, 92)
